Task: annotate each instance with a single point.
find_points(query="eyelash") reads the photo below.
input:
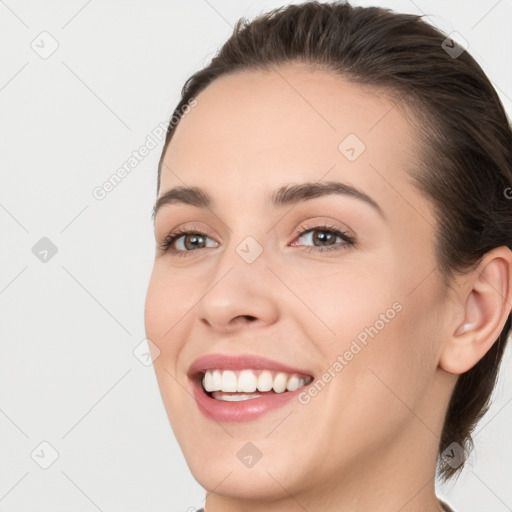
(165, 246)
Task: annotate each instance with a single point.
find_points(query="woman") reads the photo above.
(332, 284)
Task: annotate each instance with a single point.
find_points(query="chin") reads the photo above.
(225, 479)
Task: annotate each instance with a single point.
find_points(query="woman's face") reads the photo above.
(364, 319)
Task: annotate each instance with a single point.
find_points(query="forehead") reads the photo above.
(252, 131)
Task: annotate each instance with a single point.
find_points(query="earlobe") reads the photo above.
(487, 292)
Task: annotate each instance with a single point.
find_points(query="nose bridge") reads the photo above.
(243, 263)
(247, 246)
(240, 285)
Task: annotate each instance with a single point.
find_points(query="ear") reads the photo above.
(486, 300)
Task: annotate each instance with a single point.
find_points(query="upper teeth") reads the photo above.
(249, 380)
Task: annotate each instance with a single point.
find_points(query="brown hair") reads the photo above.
(465, 166)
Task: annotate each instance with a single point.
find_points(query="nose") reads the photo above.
(240, 295)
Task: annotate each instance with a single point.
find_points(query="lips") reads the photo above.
(240, 411)
(240, 362)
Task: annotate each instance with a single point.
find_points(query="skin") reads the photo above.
(369, 439)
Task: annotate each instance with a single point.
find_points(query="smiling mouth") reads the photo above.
(249, 384)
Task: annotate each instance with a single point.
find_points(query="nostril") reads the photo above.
(249, 318)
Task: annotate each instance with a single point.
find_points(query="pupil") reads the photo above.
(323, 236)
(194, 239)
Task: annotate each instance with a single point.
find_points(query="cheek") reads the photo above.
(393, 370)
(369, 317)
(170, 296)
(166, 306)
(155, 309)
(344, 302)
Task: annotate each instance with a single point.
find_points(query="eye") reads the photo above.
(181, 241)
(326, 236)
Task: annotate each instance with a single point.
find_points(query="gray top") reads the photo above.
(446, 506)
(443, 504)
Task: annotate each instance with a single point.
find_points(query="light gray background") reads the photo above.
(68, 327)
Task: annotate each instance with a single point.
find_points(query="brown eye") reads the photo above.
(324, 238)
(193, 241)
(183, 241)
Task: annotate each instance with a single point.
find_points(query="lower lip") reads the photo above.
(244, 410)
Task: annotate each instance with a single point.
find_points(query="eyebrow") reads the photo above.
(289, 194)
